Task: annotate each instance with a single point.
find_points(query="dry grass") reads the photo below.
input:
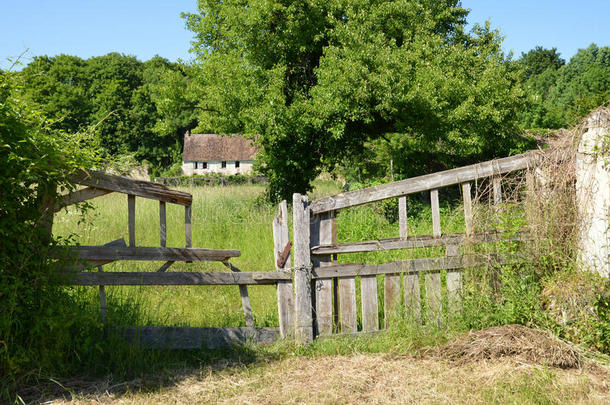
(525, 344)
(369, 379)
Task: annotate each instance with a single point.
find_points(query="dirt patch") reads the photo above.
(530, 345)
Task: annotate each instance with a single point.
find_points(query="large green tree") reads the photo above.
(314, 81)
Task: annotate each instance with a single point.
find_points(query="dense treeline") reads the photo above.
(120, 96)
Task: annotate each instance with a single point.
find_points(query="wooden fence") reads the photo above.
(97, 184)
(325, 292)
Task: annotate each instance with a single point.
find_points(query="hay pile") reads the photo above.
(526, 344)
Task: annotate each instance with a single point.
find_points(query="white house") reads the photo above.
(210, 153)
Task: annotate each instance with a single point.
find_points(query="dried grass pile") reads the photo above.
(526, 344)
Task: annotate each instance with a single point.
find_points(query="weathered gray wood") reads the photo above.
(436, 213)
(370, 304)
(131, 219)
(497, 189)
(452, 250)
(152, 253)
(422, 183)
(126, 185)
(347, 304)
(468, 219)
(79, 196)
(302, 270)
(245, 298)
(403, 224)
(177, 278)
(391, 296)
(187, 226)
(321, 233)
(172, 338)
(413, 242)
(432, 282)
(285, 292)
(412, 296)
(406, 266)
(454, 290)
(165, 266)
(163, 223)
(102, 298)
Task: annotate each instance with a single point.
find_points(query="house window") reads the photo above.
(236, 164)
(204, 165)
(195, 165)
(223, 164)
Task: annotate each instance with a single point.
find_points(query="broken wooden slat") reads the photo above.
(402, 217)
(285, 292)
(302, 270)
(436, 213)
(177, 278)
(407, 266)
(468, 219)
(370, 305)
(163, 223)
(454, 290)
(391, 296)
(80, 196)
(347, 304)
(412, 296)
(413, 242)
(497, 189)
(321, 233)
(152, 253)
(245, 298)
(422, 183)
(131, 214)
(187, 227)
(126, 185)
(165, 266)
(432, 282)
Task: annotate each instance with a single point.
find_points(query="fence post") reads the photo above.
(285, 292)
(302, 269)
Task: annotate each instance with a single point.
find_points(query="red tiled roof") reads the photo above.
(206, 147)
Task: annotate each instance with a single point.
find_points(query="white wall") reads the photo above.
(245, 167)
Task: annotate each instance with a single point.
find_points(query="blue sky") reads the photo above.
(144, 28)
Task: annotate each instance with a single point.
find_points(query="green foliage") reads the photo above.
(39, 318)
(562, 94)
(125, 99)
(314, 83)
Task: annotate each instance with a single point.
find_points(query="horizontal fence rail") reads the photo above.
(422, 183)
(151, 253)
(177, 278)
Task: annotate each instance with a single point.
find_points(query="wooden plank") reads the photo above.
(402, 217)
(497, 189)
(413, 242)
(434, 304)
(321, 233)
(152, 253)
(285, 292)
(302, 270)
(172, 338)
(407, 266)
(131, 219)
(178, 278)
(436, 213)
(412, 297)
(391, 296)
(127, 185)
(348, 321)
(245, 298)
(468, 219)
(370, 305)
(187, 227)
(422, 183)
(78, 196)
(454, 290)
(102, 291)
(163, 223)
(165, 266)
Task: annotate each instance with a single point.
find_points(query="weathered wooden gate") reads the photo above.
(98, 184)
(325, 292)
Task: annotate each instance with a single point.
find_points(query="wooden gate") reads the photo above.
(325, 292)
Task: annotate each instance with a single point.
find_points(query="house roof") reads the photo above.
(206, 147)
